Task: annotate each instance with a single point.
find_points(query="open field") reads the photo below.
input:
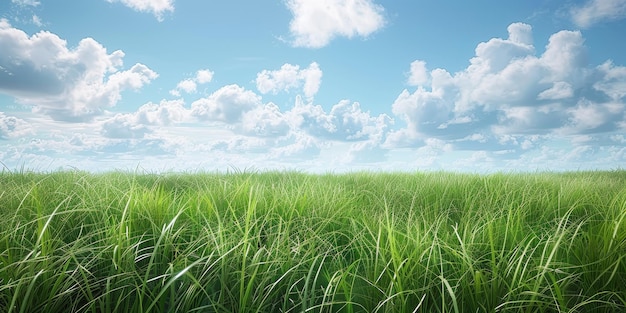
(293, 242)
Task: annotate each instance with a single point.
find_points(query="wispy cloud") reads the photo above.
(597, 11)
(33, 3)
(37, 21)
(156, 7)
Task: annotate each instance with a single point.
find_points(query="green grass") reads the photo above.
(293, 242)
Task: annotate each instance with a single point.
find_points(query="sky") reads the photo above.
(313, 85)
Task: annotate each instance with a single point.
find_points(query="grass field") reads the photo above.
(294, 242)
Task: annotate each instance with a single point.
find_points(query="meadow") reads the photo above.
(73, 241)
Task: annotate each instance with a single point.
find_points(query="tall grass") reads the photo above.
(293, 242)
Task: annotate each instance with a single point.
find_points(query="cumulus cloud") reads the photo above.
(529, 119)
(204, 76)
(346, 121)
(66, 84)
(228, 104)
(264, 121)
(509, 90)
(595, 11)
(190, 85)
(560, 90)
(418, 74)
(12, 127)
(290, 77)
(165, 113)
(424, 111)
(589, 117)
(612, 81)
(316, 23)
(156, 7)
(137, 124)
(186, 85)
(123, 126)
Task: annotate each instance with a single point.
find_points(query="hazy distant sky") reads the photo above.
(313, 85)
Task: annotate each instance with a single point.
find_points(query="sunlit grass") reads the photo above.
(293, 242)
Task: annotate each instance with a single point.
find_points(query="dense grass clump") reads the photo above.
(293, 242)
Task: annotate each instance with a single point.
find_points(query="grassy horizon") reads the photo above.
(295, 242)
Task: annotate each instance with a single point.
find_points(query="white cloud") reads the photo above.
(312, 77)
(497, 53)
(424, 111)
(529, 119)
(67, 84)
(316, 23)
(366, 152)
(12, 127)
(456, 121)
(560, 90)
(163, 114)
(264, 121)
(123, 126)
(204, 76)
(566, 57)
(290, 77)
(240, 145)
(510, 90)
(297, 147)
(621, 139)
(346, 121)
(418, 74)
(613, 81)
(190, 85)
(589, 117)
(595, 11)
(156, 7)
(137, 124)
(33, 3)
(37, 21)
(227, 104)
(186, 85)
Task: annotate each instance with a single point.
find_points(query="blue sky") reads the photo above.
(313, 85)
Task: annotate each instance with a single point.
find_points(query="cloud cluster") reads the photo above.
(138, 124)
(316, 23)
(156, 7)
(190, 85)
(66, 84)
(345, 121)
(505, 105)
(254, 126)
(508, 91)
(264, 121)
(228, 104)
(247, 114)
(595, 11)
(290, 77)
(12, 127)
